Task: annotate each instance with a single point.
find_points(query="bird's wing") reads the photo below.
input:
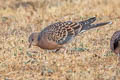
(62, 32)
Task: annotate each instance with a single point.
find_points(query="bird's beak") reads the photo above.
(30, 45)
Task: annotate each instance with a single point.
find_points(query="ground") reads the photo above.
(88, 56)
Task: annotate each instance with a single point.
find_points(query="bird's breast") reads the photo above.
(50, 45)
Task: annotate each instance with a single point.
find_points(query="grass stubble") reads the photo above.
(88, 57)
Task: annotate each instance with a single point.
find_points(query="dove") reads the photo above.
(115, 42)
(55, 36)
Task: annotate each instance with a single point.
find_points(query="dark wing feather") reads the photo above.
(62, 32)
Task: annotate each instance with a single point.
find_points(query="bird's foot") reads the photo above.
(57, 50)
(64, 50)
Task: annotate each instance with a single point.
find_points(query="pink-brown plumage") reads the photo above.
(56, 35)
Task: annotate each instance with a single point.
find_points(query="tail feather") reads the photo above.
(88, 21)
(95, 25)
(88, 24)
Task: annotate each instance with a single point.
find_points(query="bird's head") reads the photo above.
(33, 39)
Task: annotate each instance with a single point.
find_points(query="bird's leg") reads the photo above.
(65, 50)
(57, 50)
(60, 48)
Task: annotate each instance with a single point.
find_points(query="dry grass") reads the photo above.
(92, 60)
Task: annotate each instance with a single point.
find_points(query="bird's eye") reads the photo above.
(32, 39)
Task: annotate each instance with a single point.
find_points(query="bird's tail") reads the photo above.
(87, 24)
(95, 25)
(88, 21)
